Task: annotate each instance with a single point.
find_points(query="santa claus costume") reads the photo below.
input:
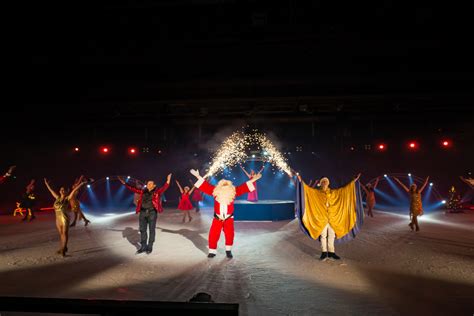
(224, 195)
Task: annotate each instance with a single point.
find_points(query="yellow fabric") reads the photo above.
(334, 206)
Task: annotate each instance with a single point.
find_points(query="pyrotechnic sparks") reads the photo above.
(231, 152)
(273, 155)
(234, 150)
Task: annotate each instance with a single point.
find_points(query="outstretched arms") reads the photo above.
(202, 184)
(400, 182)
(364, 188)
(469, 182)
(376, 182)
(54, 194)
(263, 167)
(424, 184)
(245, 171)
(7, 174)
(77, 187)
(131, 188)
(179, 186)
(166, 185)
(256, 177)
(10, 171)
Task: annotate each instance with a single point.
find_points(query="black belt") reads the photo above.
(223, 220)
(148, 209)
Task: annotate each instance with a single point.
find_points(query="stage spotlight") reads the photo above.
(413, 145)
(253, 156)
(104, 150)
(382, 147)
(446, 143)
(409, 174)
(88, 185)
(132, 151)
(76, 149)
(107, 178)
(431, 184)
(128, 177)
(443, 201)
(385, 175)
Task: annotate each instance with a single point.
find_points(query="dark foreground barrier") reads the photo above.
(109, 307)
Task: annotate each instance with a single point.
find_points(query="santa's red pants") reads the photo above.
(215, 232)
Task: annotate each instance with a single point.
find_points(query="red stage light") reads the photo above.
(132, 150)
(446, 143)
(76, 149)
(382, 146)
(412, 145)
(105, 150)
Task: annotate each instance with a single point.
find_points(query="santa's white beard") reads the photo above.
(224, 194)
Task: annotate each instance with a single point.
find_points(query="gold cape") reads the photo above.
(334, 206)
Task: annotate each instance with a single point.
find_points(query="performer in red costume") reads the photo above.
(224, 194)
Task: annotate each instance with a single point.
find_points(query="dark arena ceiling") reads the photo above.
(217, 60)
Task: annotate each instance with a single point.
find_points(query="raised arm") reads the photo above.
(357, 177)
(166, 185)
(364, 188)
(201, 183)
(400, 182)
(77, 187)
(245, 171)
(263, 167)
(424, 184)
(179, 186)
(7, 174)
(10, 171)
(191, 191)
(256, 177)
(54, 194)
(469, 182)
(376, 182)
(131, 188)
(310, 182)
(78, 181)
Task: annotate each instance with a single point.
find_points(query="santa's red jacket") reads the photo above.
(156, 198)
(224, 211)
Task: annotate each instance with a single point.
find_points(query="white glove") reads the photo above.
(195, 173)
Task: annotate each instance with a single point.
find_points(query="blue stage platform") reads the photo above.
(264, 210)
